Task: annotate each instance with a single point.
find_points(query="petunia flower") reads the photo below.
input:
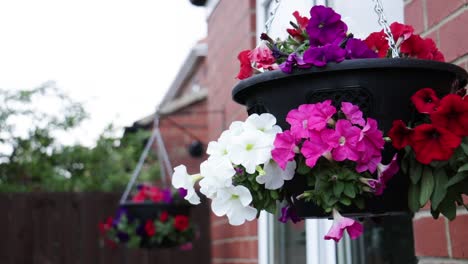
(285, 148)
(385, 173)
(186, 246)
(321, 115)
(263, 58)
(401, 31)
(370, 145)
(288, 213)
(181, 223)
(299, 120)
(246, 69)
(251, 148)
(294, 60)
(317, 145)
(421, 48)
(348, 137)
(431, 142)
(340, 224)
(378, 43)
(181, 179)
(265, 123)
(358, 49)
(452, 114)
(425, 100)
(353, 113)
(325, 26)
(234, 202)
(302, 23)
(400, 134)
(275, 176)
(217, 174)
(320, 56)
(150, 229)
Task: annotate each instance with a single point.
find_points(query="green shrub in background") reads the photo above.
(37, 161)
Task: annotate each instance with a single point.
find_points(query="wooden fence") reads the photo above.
(62, 228)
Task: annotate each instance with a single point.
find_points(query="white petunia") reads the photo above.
(251, 148)
(265, 122)
(181, 179)
(274, 176)
(216, 174)
(234, 202)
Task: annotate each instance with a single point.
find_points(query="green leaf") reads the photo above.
(427, 185)
(338, 188)
(457, 178)
(359, 202)
(405, 164)
(413, 197)
(345, 200)
(303, 169)
(416, 170)
(448, 208)
(464, 146)
(349, 190)
(440, 180)
(463, 168)
(274, 195)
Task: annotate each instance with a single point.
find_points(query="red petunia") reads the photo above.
(163, 216)
(401, 31)
(430, 143)
(377, 42)
(452, 114)
(425, 100)
(181, 222)
(421, 48)
(150, 229)
(302, 23)
(246, 69)
(105, 226)
(400, 134)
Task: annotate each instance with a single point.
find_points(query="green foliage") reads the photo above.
(37, 161)
(441, 182)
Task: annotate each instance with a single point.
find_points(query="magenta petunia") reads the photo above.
(348, 140)
(322, 115)
(299, 120)
(385, 173)
(340, 224)
(285, 148)
(314, 148)
(358, 49)
(370, 146)
(293, 60)
(353, 113)
(368, 163)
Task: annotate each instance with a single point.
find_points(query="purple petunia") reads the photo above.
(288, 213)
(358, 49)
(325, 26)
(320, 56)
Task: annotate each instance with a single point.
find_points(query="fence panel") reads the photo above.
(62, 228)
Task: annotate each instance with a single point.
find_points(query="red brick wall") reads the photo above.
(231, 28)
(446, 21)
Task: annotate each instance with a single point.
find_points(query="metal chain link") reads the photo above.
(378, 8)
(272, 15)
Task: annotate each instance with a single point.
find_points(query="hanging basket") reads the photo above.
(381, 88)
(150, 211)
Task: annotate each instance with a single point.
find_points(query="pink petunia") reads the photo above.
(263, 57)
(353, 113)
(299, 120)
(285, 148)
(348, 136)
(321, 116)
(385, 173)
(370, 146)
(369, 164)
(314, 148)
(340, 224)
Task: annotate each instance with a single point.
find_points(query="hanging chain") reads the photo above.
(272, 15)
(378, 8)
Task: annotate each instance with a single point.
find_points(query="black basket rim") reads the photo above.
(377, 63)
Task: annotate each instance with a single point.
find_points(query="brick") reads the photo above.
(459, 236)
(414, 15)
(453, 38)
(429, 237)
(235, 249)
(438, 10)
(225, 230)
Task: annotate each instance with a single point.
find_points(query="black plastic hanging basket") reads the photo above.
(381, 88)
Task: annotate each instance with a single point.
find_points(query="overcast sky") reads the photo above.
(118, 56)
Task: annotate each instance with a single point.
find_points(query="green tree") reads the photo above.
(38, 161)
